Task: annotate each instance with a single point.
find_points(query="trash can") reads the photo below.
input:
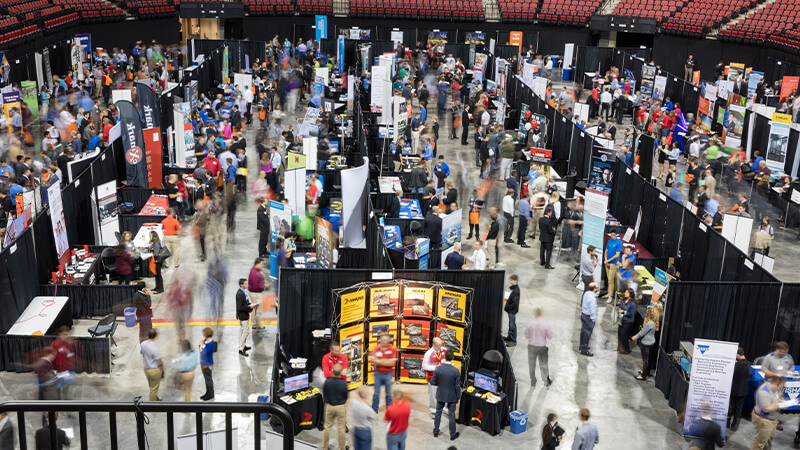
(519, 421)
(566, 74)
(263, 399)
(130, 317)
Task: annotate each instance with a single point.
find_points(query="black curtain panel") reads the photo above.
(44, 243)
(787, 321)
(649, 196)
(756, 303)
(617, 200)
(713, 260)
(17, 353)
(700, 250)
(17, 278)
(637, 191)
(657, 244)
(93, 300)
(689, 228)
(673, 225)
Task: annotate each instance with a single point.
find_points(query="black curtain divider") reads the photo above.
(45, 245)
(671, 381)
(645, 148)
(132, 222)
(18, 279)
(78, 209)
(716, 247)
(378, 256)
(649, 197)
(636, 194)
(616, 201)
(17, 353)
(672, 227)
(92, 300)
(658, 230)
(787, 320)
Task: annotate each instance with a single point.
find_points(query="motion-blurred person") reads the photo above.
(361, 417)
(181, 298)
(43, 367)
(216, 279)
(7, 432)
(185, 364)
(552, 433)
(199, 225)
(42, 436)
(159, 253)
(708, 432)
(153, 366)
(397, 414)
(766, 412)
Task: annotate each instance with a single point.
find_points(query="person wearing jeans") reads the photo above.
(588, 317)
(537, 333)
(384, 358)
(362, 417)
(512, 308)
(397, 415)
(647, 339)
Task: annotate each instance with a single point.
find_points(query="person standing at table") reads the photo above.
(448, 381)
(207, 349)
(397, 414)
(610, 259)
(243, 309)
(587, 435)
(332, 358)
(433, 358)
(779, 363)
(153, 366)
(766, 412)
(384, 358)
(739, 389)
(361, 417)
(334, 392)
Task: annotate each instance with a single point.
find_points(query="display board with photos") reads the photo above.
(412, 313)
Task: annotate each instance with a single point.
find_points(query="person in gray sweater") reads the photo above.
(647, 339)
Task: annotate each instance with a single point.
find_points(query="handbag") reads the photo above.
(163, 254)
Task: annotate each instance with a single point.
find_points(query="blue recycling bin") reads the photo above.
(566, 74)
(263, 399)
(130, 317)
(519, 421)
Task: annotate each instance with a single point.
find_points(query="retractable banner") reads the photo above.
(709, 386)
(147, 103)
(133, 143)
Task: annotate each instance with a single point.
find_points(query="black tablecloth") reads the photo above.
(670, 381)
(93, 300)
(92, 355)
(306, 414)
(490, 417)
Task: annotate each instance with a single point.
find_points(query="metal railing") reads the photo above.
(142, 408)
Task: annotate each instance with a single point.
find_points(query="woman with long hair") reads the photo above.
(647, 339)
(155, 248)
(551, 433)
(627, 313)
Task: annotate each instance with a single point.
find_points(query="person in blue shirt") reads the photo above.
(668, 104)
(207, 349)
(627, 255)
(423, 113)
(6, 170)
(611, 258)
(757, 161)
(427, 154)
(675, 193)
(524, 208)
(13, 191)
(444, 167)
(316, 101)
(588, 318)
(628, 156)
(94, 141)
(185, 365)
(230, 173)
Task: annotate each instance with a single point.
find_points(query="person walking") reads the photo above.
(512, 308)
(384, 358)
(587, 435)
(361, 417)
(207, 349)
(397, 414)
(243, 309)
(538, 332)
(200, 225)
(588, 317)
(433, 358)
(547, 235)
(171, 228)
(448, 380)
(552, 433)
(524, 208)
(334, 392)
(647, 339)
(256, 285)
(766, 412)
(185, 364)
(153, 366)
(492, 240)
(262, 224)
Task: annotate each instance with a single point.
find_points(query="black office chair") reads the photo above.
(109, 262)
(106, 327)
(491, 363)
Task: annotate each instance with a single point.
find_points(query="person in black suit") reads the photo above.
(433, 228)
(739, 388)
(466, 118)
(42, 436)
(547, 235)
(448, 381)
(6, 433)
(236, 118)
(262, 224)
(394, 209)
(243, 309)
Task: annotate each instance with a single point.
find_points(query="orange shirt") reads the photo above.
(171, 226)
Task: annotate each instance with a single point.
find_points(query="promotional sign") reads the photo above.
(452, 305)
(648, 80)
(703, 106)
(85, 40)
(184, 134)
(324, 242)
(540, 87)
(476, 37)
(48, 71)
(752, 83)
(11, 100)
(453, 337)
(340, 53)
(379, 75)
(152, 153)
(133, 144)
(30, 97)
(735, 125)
(709, 385)
(660, 282)
(479, 66)
(107, 212)
(147, 103)
(778, 141)
(352, 344)
(659, 87)
(58, 223)
(190, 93)
(353, 191)
(226, 66)
(696, 77)
(321, 27)
(437, 37)
(451, 233)
(396, 37)
(788, 85)
(515, 38)
(593, 229)
(569, 49)
(352, 306)
(528, 73)
(602, 173)
(411, 364)
(384, 301)
(310, 119)
(76, 58)
(280, 217)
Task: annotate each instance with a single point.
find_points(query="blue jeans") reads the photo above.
(396, 441)
(362, 438)
(416, 190)
(512, 327)
(587, 326)
(382, 379)
(321, 164)
(437, 418)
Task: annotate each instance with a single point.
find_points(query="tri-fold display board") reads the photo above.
(412, 313)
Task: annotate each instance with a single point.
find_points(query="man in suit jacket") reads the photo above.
(394, 209)
(448, 381)
(6, 432)
(262, 224)
(547, 235)
(466, 118)
(243, 310)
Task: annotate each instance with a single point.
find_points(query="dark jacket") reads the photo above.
(448, 380)
(465, 118)
(547, 229)
(394, 209)
(334, 391)
(433, 229)
(262, 219)
(236, 119)
(42, 438)
(419, 177)
(741, 375)
(512, 304)
(242, 306)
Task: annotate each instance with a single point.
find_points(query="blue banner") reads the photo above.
(593, 229)
(340, 54)
(86, 42)
(322, 27)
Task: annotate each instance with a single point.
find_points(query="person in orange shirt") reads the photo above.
(171, 238)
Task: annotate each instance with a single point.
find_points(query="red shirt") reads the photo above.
(106, 129)
(65, 353)
(388, 353)
(397, 414)
(212, 164)
(328, 361)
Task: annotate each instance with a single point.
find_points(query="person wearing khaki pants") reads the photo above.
(153, 367)
(171, 228)
(766, 412)
(334, 391)
(185, 365)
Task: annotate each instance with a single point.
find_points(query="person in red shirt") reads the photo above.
(332, 358)
(106, 130)
(211, 163)
(65, 351)
(397, 415)
(384, 358)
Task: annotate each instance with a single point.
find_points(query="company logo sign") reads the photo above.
(133, 155)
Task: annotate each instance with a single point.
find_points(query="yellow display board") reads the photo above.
(452, 305)
(376, 329)
(384, 301)
(415, 334)
(351, 340)
(411, 369)
(352, 306)
(453, 337)
(417, 301)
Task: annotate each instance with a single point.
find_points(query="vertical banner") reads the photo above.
(778, 141)
(601, 176)
(660, 282)
(153, 157)
(76, 58)
(322, 27)
(451, 233)
(353, 182)
(379, 75)
(709, 385)
(147, 103)
(11, 100)
(569, 50)
(752, 83)
(280, 218)
(132, 142)
(788, 85)
(696, 77)
(226, 66)
(30, 97)
(295, 187)
(659, 87)
(48, 71)
(515, 38)
(324, 240)
(107, 212)
(340, 53)
(59, 225)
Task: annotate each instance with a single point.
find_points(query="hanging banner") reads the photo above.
(58, 222)
(752, 83)
(659, 86)
(476, 37)
(778, 141)
(152, 153)
(648, 80)
(133, 144)
(709, 385)
(147, 103)
(479, 66)
(280, 218)
(226, 66)
(660, 282)
(325, 243)
(703, 106)
(396, 37)
(788, 85)
(76, 58)
(515, 38)
(30, 97)
(379, 75)
(353, 182)
(107, 212)
(601, 176)
(48, 71)
(569, 50)
(340, 53)
(321, 27)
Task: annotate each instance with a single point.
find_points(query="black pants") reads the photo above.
(605, 108)
(209, 381)
(202, 239)
(509, 225)
(159, 278)
(645, 359)
(624, 335)
(477, 228)
(464, 133)
(587, 280)
(545, 251)
(735, 410)
(263, 238)
(521, 230)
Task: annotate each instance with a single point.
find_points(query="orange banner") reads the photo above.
(696, 77)
(515, 38)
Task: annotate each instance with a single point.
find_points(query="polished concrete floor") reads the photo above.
(630, 414)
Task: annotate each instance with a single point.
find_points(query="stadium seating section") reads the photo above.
(471, 10)
(269, 7)
(568, 12)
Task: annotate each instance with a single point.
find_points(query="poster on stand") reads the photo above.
(384, 301)
(710, 385)
(30, 97)
(280, 217)
(415, 334)
(660, 282)
(411, 369)
(659, 87)
(325, 242)
(351, 340)
(58, 222)
(352, 306)
(451, 232)
(453, 337)
(752, 84)
(602, 173)
(107, 212)
(778, 141)
(417, 301)
(451, 305)
(788, 85)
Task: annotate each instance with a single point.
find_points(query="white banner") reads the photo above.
(528, 74)
(310, 150)
(353, 185)
(295, 181)
(709, 385)
(397, 37)
(107, 212)
(540, 87)
(569, 49)
(659, 87)
(376, 88)
(58, 222)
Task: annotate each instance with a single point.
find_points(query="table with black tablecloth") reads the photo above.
(477, 411)
(306, 414)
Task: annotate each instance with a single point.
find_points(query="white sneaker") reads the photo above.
(579, 286)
